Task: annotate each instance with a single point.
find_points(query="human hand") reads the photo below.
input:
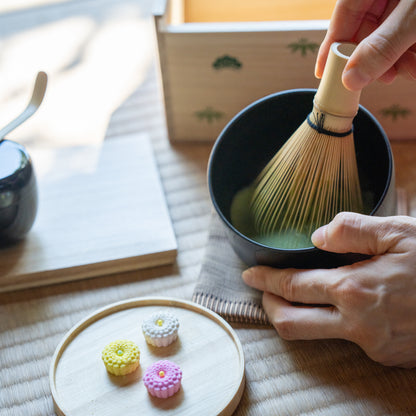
(371, 303)
(385, 31)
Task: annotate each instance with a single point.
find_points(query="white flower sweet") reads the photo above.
(160, 329)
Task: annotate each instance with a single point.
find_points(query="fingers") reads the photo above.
(345, 23)
(382, 48)
(389, 46)
(304, 286)
(348, 232)
(406, 65)
(301, 322)
(355, 233)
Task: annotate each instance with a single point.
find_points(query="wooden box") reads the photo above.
(218, 56)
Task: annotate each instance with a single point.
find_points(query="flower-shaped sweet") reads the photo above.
(163, 379)
(121, 357)
(160, 329)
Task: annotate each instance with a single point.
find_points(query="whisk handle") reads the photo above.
(332, 97)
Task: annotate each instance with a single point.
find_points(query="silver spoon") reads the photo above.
(34, 103)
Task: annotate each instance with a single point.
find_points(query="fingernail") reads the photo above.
(355, 79)
(317, 74)
(247, 274)
(318, 237)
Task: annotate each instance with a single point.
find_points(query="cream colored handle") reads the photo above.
(34, 103)
(332, 97)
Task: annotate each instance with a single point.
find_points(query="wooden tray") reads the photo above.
(207, 350)
(101, 210)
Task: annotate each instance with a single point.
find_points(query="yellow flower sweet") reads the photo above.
(121, 357)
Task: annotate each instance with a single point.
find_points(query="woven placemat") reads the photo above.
(220, 287)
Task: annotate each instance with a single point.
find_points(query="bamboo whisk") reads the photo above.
(314, 175)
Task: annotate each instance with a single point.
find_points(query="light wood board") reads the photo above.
(101, 210)
(207, 350)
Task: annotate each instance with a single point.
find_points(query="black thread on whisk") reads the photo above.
(320, 129)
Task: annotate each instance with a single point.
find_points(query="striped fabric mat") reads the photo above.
(220, 287)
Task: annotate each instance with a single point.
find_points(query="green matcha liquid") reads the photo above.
(290, 239)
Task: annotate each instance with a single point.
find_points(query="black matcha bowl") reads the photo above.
(250, 140)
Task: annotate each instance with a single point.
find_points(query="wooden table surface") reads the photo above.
(101, 58)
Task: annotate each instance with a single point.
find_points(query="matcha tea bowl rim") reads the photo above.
(249, 141)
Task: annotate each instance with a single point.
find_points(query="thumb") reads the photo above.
(349, 232)
(377, 54)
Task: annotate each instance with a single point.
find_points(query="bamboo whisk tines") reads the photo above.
(307, 183)
(314, 175)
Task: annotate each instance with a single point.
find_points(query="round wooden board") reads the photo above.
(207, 350)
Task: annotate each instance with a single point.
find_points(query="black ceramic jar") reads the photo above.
(18, 192)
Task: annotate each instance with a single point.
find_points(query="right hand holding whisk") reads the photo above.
(385, 31)
(371, 303)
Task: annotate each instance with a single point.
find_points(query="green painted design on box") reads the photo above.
(303, 46)
(395, 111)
(209, 114)
(227, 61)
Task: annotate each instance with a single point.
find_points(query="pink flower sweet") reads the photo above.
(163, 379)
